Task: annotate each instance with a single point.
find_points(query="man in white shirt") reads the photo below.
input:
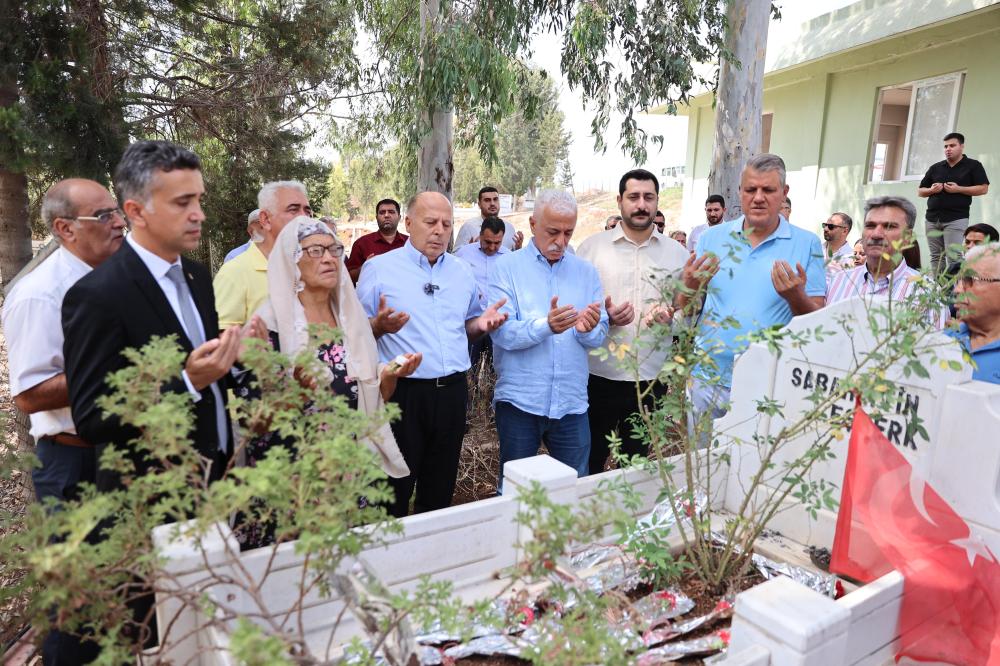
(489, 206)
(482, 257)
(715, 211)
(839, 253)
(632, 260)
(84, 218)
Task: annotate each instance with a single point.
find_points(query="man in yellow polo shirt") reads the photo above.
(241, 283)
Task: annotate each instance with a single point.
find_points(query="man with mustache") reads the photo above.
(388, 237)
(632, 261)
(554, 306)
(978, 292)
(444, 312)
(715, 210)
(86, 222)
(759, 271)
(489, 206)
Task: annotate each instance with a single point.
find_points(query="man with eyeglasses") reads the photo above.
(839, 254)
(887, 231)
(84, 219)
(241, 284)
(441, 298)
(978, 301)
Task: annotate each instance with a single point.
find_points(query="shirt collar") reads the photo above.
(618, 234)
(898, 273)
(418, 258)
(66, 256)
(533, 248)
(783, 230)
(156, 264)
(257, 257)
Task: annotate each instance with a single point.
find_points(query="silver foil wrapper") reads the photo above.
(594, 555)
(492, 645)
(435, 634)
(671, 630)
(662, 606)
(664, 518)
(823, 583)
(695, 647)
(624, 575)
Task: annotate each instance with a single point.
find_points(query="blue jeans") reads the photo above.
(521, 433)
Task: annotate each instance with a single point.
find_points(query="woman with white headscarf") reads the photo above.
(308, 284)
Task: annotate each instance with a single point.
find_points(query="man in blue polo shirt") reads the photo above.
(978, 300)
(761, 271)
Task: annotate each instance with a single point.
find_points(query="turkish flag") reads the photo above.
(891, 519)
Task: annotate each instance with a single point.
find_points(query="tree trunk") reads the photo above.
(15, 230)
(435, 168)
(739, 98)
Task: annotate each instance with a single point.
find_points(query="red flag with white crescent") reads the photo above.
(890, 518)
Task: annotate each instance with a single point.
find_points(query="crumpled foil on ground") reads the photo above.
(672, 630)
(705, 645)
(823, 583)
(624, 575)
(594, 555)
(662, 517)
(428, 656)
(492, 645)
(661, 606)
(435, 634)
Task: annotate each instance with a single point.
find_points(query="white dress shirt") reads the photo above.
(632, 272)
(481, 264)
(158, 267)
(32, 325)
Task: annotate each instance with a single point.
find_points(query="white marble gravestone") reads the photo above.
(792, 376)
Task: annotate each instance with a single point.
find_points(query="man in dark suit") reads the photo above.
(147, 289)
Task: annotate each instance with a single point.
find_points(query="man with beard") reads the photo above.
(388, 237)
(755, 271)
(553, 303)
(632, 262)
(888, 228)
(839, 254)
(715, 210)
(489, 206)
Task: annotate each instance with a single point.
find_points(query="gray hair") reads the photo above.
(57, 203)
(254, 216)
(888, 201)
(267, 198)
(767, 162)
(556, 201)
(990, 250)
(134, 173)
(846, 219)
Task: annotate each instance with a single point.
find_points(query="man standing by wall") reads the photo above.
(388, 237)
(838, 253)
(949, 186)
(241, 284)
(761, 271)
(632, 263)
(715, 211)
(489, 206)
(554, 307)
(442, 300)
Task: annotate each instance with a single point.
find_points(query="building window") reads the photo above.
(910, 121)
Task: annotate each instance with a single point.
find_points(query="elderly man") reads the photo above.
(760, 271)
(489, 206)
(241, 284)
(85, 220)
(253, 231)
(978, 291)
(555, 315)
(632, 262)
(388, 237)
(949, 186)
(440, 295)
(715, 211)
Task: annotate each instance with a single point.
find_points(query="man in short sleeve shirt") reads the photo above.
(763, 272)
(949, 186)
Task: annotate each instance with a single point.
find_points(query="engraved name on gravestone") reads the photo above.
(800, 377)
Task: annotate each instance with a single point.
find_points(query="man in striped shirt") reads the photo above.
(888, 228)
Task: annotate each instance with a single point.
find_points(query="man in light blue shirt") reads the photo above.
(761, 272)
(482, 257)
(440, 297)
(977, 294)
(555, 316)
(253, 230)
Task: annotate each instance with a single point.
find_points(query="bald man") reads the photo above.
(443, 314)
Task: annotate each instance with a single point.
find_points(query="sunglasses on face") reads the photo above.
(831, 227)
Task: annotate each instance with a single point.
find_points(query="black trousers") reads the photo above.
(611, 404)
(429, 434)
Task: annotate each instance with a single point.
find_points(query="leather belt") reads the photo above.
(69, 439)
(437, 382)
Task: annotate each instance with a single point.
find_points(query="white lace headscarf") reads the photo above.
(283, 312)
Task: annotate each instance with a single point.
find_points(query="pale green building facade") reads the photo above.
(858, 102)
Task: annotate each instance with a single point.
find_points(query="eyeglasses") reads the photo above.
(103, 218)
(968, 280)
(317, 251)
(831, 227)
